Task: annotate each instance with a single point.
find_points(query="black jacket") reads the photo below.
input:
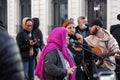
(80, 56)
(115, 31)
(84, 32)
(37, 33)
(53, 68)
(24, 45)
(11, 67)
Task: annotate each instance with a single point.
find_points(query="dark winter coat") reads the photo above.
(37, 33)
(78, 57)
(53, 67)
(115, 31)
(11, 67)
(84, 32)
(24, 45)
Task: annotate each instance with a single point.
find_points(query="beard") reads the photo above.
(94, 32)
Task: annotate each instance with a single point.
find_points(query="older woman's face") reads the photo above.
(71, 29)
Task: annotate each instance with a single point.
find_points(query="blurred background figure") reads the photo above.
(11, 67)
(115, 31)
(27, 44)
(38, 36)
(82, 27)
(72, 19)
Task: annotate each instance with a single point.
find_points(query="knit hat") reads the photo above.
(66, 23)
(97, 22)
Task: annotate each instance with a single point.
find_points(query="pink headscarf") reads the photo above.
(56, 40)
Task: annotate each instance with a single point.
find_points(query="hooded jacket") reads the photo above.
(112, 46)
(37, 33)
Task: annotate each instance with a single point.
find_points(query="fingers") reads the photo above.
(117, 55)
(77, 49)
(32, 42)
(71, 70)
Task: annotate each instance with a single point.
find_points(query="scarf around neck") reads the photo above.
(56, 40)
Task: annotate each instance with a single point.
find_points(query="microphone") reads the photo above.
(75, 42)
(72, 41)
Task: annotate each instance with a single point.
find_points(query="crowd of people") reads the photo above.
(87, 45)
(70, 53)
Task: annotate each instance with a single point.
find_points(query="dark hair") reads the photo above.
(118, 16)
(36, 22)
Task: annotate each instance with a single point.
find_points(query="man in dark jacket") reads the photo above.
(115, 31)
(82, 27)
(11, 67)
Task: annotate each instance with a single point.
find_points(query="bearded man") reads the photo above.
(106, 42)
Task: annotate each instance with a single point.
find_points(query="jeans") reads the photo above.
(29, 67)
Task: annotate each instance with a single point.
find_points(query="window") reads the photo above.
(97, 9)
(60, 12)
(25, 8)
(3, 12)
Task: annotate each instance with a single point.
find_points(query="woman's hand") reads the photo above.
(32, 42)
(71, 70)
(77, 49)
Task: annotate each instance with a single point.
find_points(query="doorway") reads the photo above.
(60, 12)
(97, 9)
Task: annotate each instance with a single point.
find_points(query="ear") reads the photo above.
(98, 27)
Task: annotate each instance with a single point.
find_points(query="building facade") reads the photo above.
(53, 12)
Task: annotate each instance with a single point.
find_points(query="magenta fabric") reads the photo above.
(56, 40)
